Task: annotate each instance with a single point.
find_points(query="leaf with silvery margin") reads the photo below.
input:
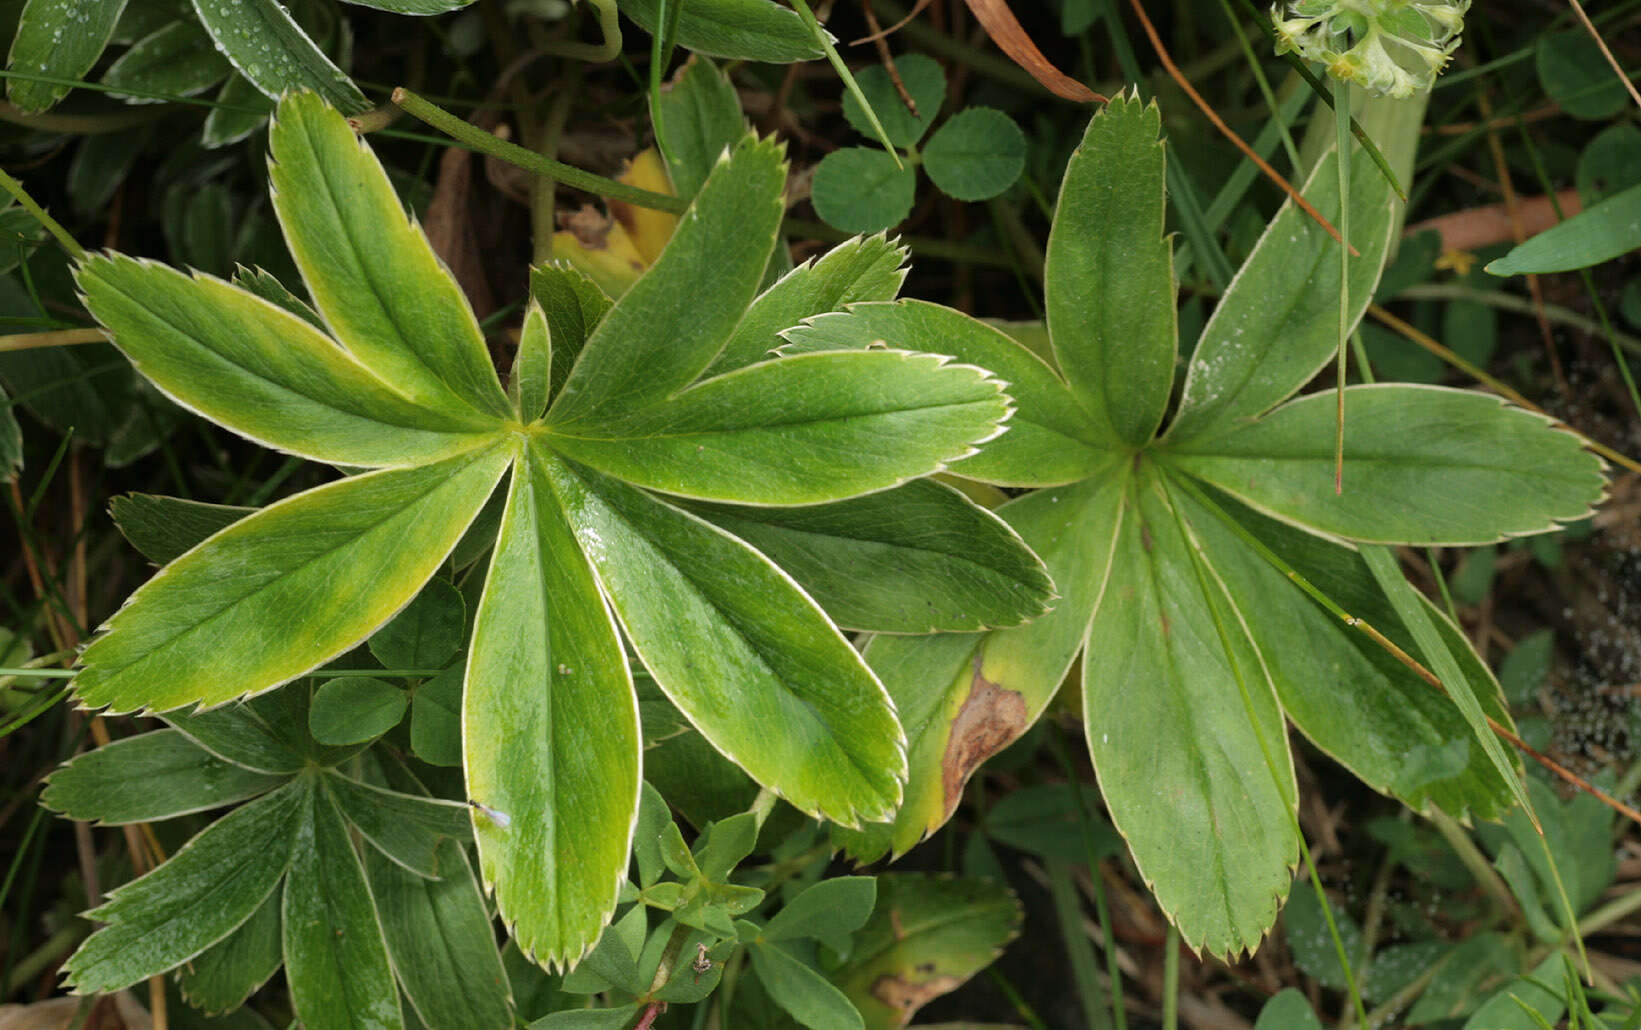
(1048, 442)
(261, 371)
(177, 60)
(207, 889)
(863, 269)
(409, 830)
(698, 118)
(336, 961)
(573, 305)
(413, 7)
(924, 81)
(266, 285)
(240, 110)
(319, 572)
(1423, 465)
(147, 778)
(976, 155)
(1210, 824)
(219, 979)
(963, 698)
(738, 647)
(1278, 323)
(58, 38)
(1108, 283)
(797, 430)
(919, 558)
(799, 989)
(668, 327)
(1602, 232)
(1356, 702)
(736, 30)
(927, 936)
(355, 709)
(270, 49)
(164, 528)
(531, 383)
(555, 829)
(427, 633)
(442, 942)
(858, 189)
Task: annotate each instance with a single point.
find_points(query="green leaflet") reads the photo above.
(220, 978)
(1423, 465)
(798, 430)
(149, 777)
(1049, 440)
(1108, 283)
(1605, 231)
(355, 709)
(1278, 323)
(573, 305)
(261, 371)
(737, 30)
(369, 268)
(698, 118)
(270, 49)
(316, 574)
(550, 729)
(533, 368)
(803, 992)
(416, 7)
(59, 38)
(244, 110)
(740, 650)
(1181, 759)
(166, 528)
(668, 327)
(408, 830)
(208, 888)
(920, 558)
(176, 60)
(335, 959)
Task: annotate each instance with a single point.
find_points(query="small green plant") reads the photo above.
(975, 155)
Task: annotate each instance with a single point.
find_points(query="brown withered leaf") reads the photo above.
(1004, 29)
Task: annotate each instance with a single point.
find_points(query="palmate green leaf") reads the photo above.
(550, 729)
(261, 371)
(740, 649)
(336, 962)
(668, 327)
(1048, 440)
(962, 699)
(220, 978)
(1423, 465)
(369, 268)
(315, 574)
(442, 943)
(737, 30)
(1278, 322)
(699, 116)
(920, 558)
(1108, 281)
(797, 430)
(178, 60)
(411, 831)
(270, 49)
(1183, 740)
(61, 39)
(149, 777)
(208, 888)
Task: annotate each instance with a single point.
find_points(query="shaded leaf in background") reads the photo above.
(61, 39)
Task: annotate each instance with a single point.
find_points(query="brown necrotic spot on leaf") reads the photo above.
(907, 996)
(991, 719)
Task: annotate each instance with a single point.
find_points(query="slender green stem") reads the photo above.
(1516, 305)
(66, 238)
(476, 139)
(54, 338)
(1264, 85)
(836, 60)
(608, 49)
(1102, 910)
(1341, 121)
(1079, 951)
(1170, 979)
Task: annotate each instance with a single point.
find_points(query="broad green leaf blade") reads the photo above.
(408, 829)
(699, 117)
(1181, 760)
(369, 267)
(573, 305)
(1423, 465)
(314, 575)
(219, 979)
(177, 60)
(799, 430)
(1347, 694)
(1048, 441)
(802, 992)
(533, 367)
(927, 936)
(264, 373)
(335, 959)
(1278, 322)
(869, 268)
(146, 778)
(741, 650)
(920, 558)
(860, 189)
(355, 709)
(962, 699)
(208, 888)
(270, 49)
(549, 729)
(166, 528)
(1605, 231)
(736, 30)
(442, 943)
(674, 320)
(61, 39)
(1109, 279)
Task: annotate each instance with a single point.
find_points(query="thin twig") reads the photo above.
(887, 58)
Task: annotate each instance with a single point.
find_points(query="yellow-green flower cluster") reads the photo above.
(1390, 48)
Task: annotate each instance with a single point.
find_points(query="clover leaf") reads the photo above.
(399, 382)
(1171, 552)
